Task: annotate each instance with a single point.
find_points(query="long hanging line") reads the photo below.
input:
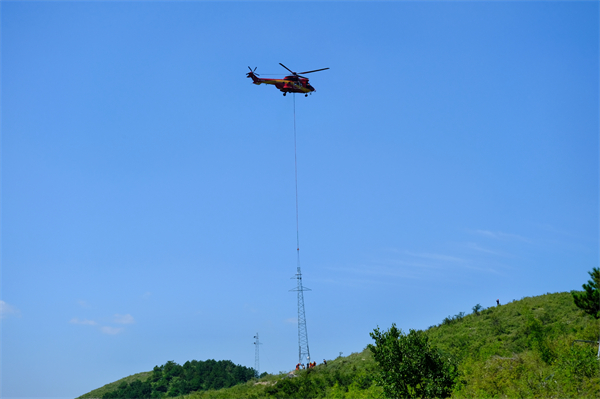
(296, 179)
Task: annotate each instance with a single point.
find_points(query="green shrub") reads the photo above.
(410, 367)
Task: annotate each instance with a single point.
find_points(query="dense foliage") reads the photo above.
(589, 299)
(99, 392)
(171, 379)
(409, 367)
(344, 377)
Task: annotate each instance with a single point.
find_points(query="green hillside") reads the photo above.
(521, 349)
(97, 393)
(524, 348)
(350, 376)
(172, 380)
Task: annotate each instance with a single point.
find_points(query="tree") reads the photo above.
(410, 367)
(171, 379)
(589, 299)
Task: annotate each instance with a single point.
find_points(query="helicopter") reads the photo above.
(293, 83)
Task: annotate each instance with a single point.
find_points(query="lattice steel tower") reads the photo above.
(303, 350)
(256, 357)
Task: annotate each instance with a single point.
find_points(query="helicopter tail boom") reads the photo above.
(256, 80)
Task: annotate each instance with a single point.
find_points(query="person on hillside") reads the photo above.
(298, 366)
(497, 302)
(325, 362)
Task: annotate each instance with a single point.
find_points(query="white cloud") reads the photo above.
(476, 247)
(383, 270)
(411, 265)
(7, 310)
(124, 319)
(111, 330)
(83, 303)
(498, 235)
(444, 258)
(75, 320)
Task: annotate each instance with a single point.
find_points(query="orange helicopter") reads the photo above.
(293, 83)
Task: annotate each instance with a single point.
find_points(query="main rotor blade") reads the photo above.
(316, 70)
(293, 73)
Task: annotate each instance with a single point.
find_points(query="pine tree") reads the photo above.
(589, 299)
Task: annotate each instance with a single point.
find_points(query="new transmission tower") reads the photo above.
(303, 351)
(256, 358)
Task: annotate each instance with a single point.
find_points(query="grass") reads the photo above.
(505, 330)
(525, 348)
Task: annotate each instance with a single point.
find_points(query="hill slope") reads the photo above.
(522, 349)
(525, 348)
(97, 393)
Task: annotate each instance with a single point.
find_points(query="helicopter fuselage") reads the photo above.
(289, 84)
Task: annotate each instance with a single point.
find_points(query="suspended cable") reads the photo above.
(296, 181)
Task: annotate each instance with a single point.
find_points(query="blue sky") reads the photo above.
(449, 157)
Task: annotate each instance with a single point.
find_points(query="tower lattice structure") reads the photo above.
(303, 349)
(256, 355)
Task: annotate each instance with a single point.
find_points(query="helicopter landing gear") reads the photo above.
(284, 93)
(306, 95)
